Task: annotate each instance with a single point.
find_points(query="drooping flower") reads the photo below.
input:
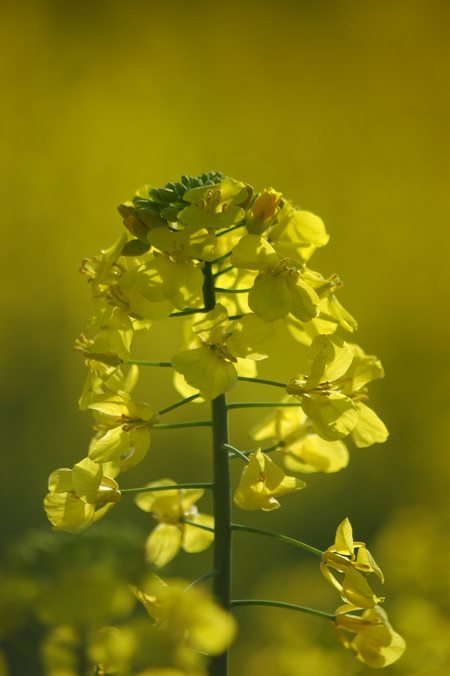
(211, 367)
(262, 481)
(79, 496)
(170, 508)
(279, 288)
(108, 336)
(354, 561)
(303, 450)
(188, 616)
(369, 636)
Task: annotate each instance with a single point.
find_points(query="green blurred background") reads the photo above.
(345, 108)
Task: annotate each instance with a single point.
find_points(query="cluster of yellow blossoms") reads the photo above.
(235, 264)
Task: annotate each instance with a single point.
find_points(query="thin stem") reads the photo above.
(203, 578)
(179, 403)
(236, 452)
(236, 316)
(267, 449)
(176, 426)
(281, 604)
(173, 487)
(199, 525)
(222, 272)
(262, 381)
(223, 290)
(277, 536)
(262, 404)
(221, 258)
(141, 362)
(191, 311)
(234, 227)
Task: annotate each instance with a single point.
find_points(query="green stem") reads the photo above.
(141, 362)
(176, 426)
(281, 604)
(221, 289)
(203, 578)
(173, 487)
(267, 449)
(237, 453)
(191, 311)
(262, 404)
(222, 493)
(262, 381)
(260, 531)
(277, 536)
(233, 227)
(179, 403)
(222, 272)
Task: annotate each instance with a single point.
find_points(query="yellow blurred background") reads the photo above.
(345, 108)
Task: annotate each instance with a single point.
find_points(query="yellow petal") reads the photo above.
(209, 374)
(269, 297)
(370, 429)
(254, 253)
(197, 539)
(163, 544)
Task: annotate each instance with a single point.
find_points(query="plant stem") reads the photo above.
(141, 362)
(222, 495)
(179, 403)
(277, 536)
(262, 381)
(221, 289)
(177, 426)
(236, 452)
(262, 404)
(173, 487)
(191, 311)
(281, 604)
(222, 520)
(202, 578)
(222, 272)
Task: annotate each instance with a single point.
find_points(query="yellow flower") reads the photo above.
(279, 287)
(108, 336)
(123, 430)
(79, 496)
(354, 561)
(262, 481)
(169, 508)
(211, 367)
(374, 642)
(188, 616)
(263, 211)
(303, 450)
(297, 233)
(332, 393)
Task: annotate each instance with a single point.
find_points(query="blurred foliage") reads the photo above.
(343, 106)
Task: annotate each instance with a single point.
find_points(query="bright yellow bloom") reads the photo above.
(262, 481)
(79, 496)
(303, 450)
(122, 430)
(214, 207)
(169, 508)
(108, 336)
(374, 642)
(182, 278)
(354, 561)
(211, 367)
(332, 392)
(103, 378)
(188, 616)
(279, 287)
(297, 233)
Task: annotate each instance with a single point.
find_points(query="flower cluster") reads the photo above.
(234, 264)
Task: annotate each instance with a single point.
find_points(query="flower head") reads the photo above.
(370, 636)
(354, 561)
(79, 496)
(170, 508)
(262, 481)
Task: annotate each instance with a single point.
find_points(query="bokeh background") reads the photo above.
(345, 108)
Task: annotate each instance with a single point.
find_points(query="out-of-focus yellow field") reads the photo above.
(345, 108)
